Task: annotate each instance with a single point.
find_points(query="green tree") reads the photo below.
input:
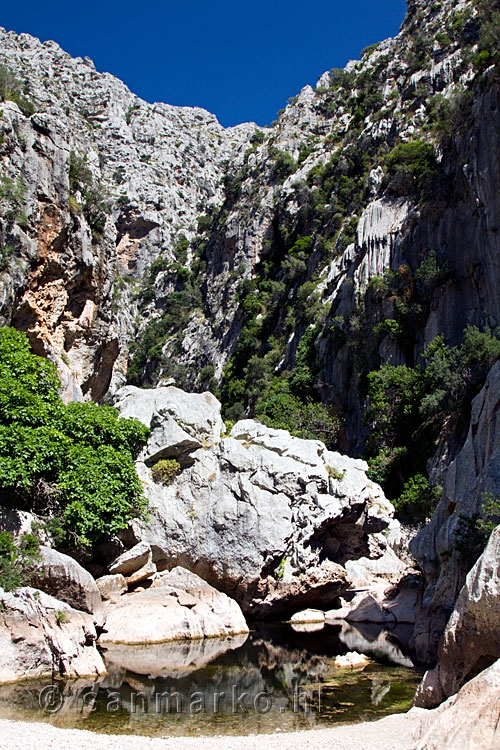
(74, 461)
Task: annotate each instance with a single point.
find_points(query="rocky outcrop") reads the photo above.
(131, 560)
(471, 641)
(180, 422)
(469, 720)
(43, 637)
(179, 605)
(474, 473)
(268, 518)
(393, 605)
(63, 578)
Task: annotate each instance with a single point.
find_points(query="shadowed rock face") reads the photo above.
(63, 578)
(471, 641)
(474, 472)
(257, 514)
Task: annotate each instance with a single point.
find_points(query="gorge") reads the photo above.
(301, 323)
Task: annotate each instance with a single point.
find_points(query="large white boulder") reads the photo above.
(179, 605)
(268, 518)
(180, 422)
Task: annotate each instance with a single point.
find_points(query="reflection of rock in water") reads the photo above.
(374, 639)
(308, 627)
(173, 659)
(213, 687)
(70, 697)
(379, 691)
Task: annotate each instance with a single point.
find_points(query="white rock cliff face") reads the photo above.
(162, 167)
(167, 161)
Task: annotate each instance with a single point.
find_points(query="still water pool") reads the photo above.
(276, 679)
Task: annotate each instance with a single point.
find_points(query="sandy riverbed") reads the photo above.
(397, 732)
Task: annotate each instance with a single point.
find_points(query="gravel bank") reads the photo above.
(395, 732)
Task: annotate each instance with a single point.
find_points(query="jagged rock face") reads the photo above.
(65, 284)
(43, 637)
(265, 517)
(474, 473)
(471, 641)
(165, 166)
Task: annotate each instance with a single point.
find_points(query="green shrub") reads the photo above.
(12, 193)
(443, 39)
(74, 462)
(335, 473)
(94, 205)
(257, 137)
(10, 90)
(418, 500)
(417, 159)
(165, 470)
(284, 164)
(473, 532)
(18, 562)
(61, 617)
(280, 409)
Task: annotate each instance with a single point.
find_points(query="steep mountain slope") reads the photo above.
(336, 274)
(106, 182)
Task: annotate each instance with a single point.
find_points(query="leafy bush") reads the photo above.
(418, 500)
(75, 462)
(12, 193)
(284, 163)
(165, 470)
(417, 159)
(407, 407)
(335, 473)
(257, 137)
(17, 561)
(82, 181)
(282, 410)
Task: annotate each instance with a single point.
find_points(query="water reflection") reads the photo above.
(276, 679)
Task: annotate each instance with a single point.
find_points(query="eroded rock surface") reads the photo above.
(469, 720)
(43, 637)
(474, 473)
(268, 518)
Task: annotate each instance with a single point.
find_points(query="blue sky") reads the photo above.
(241, 61)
